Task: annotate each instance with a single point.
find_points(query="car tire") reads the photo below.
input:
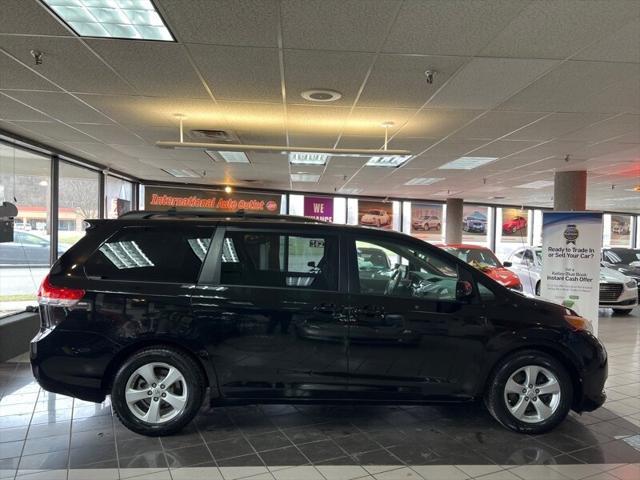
(153, 414)
(524, 409)
(621, 311)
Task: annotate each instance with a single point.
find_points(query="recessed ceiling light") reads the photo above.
(387, 160)
(304, 177)
(129, 19)
(350, 191)
(321, 95)
(182, 172)
(467, 163)
(423, 181)
(229, 157)
(537, 184)
(308, 158)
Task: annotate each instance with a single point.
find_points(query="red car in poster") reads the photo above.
(484, 260)
(514, 225)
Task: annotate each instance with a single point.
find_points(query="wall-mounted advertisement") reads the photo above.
(165, 198)
(475, 223)
(319, 208)
(375, 214)
(514, 223)
(620, 230)
(426, 221)
(571, 243)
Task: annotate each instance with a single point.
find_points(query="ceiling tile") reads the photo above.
(223, 22)
(332, 24)
(556, 125)
(454, 27)
(239, 73)
(16, 76)
(607, 129)
(399, 80)
(13, 110)
(60, 106)
(497, 124)
(29, 17)
(57, 131)
(559, 29)
(485, 82)
(153, 68)
(111, 134)
(438, 123)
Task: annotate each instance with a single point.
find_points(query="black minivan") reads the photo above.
(157, 307)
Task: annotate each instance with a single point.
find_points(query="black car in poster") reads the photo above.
(154, 308)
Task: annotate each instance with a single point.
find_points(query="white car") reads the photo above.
(426, 222)
(617, 291)
(376, 218)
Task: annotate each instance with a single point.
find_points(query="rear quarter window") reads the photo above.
(151, 254)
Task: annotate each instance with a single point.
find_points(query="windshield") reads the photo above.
(623, 256)
(479, 258)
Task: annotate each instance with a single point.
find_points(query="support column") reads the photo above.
(453, 233)
(570, 190)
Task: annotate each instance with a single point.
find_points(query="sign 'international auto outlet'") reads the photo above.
(163, 198)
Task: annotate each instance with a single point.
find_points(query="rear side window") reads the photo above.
(280, 260)
(151, 254)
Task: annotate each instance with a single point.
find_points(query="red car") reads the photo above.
(513, 225)
(484, 260)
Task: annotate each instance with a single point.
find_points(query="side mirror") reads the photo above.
(311, 264)
(464, 289)
(507, 264)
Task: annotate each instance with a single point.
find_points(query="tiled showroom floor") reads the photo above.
(50, 437)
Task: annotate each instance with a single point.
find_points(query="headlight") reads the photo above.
(579, 323)
(631, 284)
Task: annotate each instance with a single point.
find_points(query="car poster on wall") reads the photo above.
(514, 223)
(375, 214)
(620, 230)
(426, 221)
(474, 223)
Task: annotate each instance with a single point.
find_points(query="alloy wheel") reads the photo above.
(532, 394)
(156, 392)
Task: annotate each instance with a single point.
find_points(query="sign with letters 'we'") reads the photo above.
(571, 243)
(320, 208)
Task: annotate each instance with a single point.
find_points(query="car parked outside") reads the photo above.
(426, 222)
(514, 225)
(617, 291)
(485, 260)
(153, 309)
(28, 249)
(375, 217)
(475, 223)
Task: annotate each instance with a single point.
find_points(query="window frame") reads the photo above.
(124, 228)
(210, 275)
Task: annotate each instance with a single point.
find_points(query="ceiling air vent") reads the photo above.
(214, 136)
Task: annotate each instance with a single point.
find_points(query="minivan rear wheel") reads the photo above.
(529, 392)
(157, 391)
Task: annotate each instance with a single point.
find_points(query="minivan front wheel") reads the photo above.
(530, 392)
(157, 391)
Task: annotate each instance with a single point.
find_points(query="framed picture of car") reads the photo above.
(474, 223)
(514, 222)
(375, 214)
(620, 230)
(426, 221)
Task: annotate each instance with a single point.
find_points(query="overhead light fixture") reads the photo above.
(182, 172)
(537, 184)
(308, 158)
(423, 181)
(467, 163)
(390, 161)
(350, 191)
(127, 19)
(321, 95)
(229, 157)
(305, 177)
(228, 189)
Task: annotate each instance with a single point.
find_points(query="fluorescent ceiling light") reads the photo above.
(537, 184)
(423, 181)
(131, 19)
(229, 157)
(467, 163)
(350, 191)
(182, 172)
(308, 158)
(304, 177)
(391, 161)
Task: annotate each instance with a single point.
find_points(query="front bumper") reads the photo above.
(593, 375)
(627, 300)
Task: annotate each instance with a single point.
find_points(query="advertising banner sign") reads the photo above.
(375, 214)
(571, 243)
(426, 221)
(320, 208)
(165, 198)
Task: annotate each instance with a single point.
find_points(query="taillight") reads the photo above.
(58, 296)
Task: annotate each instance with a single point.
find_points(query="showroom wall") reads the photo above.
(55, 193)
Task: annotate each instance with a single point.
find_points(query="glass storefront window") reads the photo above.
(78, 201)
(25, 180)
(118, 197)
